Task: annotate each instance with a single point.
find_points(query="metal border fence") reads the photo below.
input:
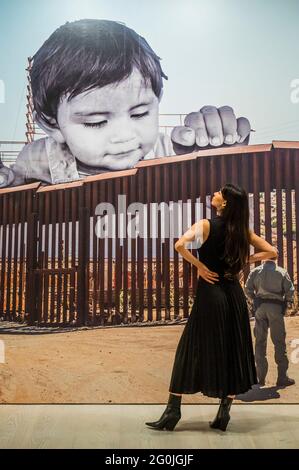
(55, 270)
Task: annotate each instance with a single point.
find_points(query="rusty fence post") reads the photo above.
(83, 261)
(31, 255)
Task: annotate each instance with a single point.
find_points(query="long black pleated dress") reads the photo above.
(215, 353)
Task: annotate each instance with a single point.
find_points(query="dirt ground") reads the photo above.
(115, 365)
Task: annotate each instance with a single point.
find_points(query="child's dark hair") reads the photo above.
(87, 54)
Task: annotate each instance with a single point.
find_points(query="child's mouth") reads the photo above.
(125, 154)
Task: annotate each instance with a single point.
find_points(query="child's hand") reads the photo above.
(209, 128)
(6, 176)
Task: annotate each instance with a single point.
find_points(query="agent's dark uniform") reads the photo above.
(270, 287)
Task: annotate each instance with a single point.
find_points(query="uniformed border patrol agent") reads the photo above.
(272, 291)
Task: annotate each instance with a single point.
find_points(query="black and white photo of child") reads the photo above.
(96, 87)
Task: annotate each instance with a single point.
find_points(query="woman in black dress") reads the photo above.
(215, 353)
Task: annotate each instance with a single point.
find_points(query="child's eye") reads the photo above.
(94, 124)
(137, 116)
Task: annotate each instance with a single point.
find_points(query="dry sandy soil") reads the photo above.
(114, 365)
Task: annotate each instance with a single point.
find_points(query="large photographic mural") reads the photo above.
(96, 89)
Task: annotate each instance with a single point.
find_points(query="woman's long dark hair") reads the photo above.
(236, 216)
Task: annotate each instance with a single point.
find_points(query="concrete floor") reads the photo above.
(252, 426)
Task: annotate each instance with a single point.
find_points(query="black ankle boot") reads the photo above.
(222, 417)
(170, 416)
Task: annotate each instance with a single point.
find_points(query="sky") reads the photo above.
(219, 52)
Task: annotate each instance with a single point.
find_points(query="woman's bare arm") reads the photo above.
(265, 249)
(198, 230)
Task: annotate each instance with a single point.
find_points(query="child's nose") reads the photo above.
(123, 133)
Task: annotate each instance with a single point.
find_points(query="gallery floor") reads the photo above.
(252, 426)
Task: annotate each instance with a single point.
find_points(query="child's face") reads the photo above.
(113, 126)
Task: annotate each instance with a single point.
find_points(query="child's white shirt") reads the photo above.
(47, 160)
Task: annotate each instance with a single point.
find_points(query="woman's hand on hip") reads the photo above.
(206, 274)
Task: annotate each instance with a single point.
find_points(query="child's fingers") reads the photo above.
(196, 121)
(213, 125)
(202, 138)
(183, 135)
(243, 129)
(6, 177)
(229, 124)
